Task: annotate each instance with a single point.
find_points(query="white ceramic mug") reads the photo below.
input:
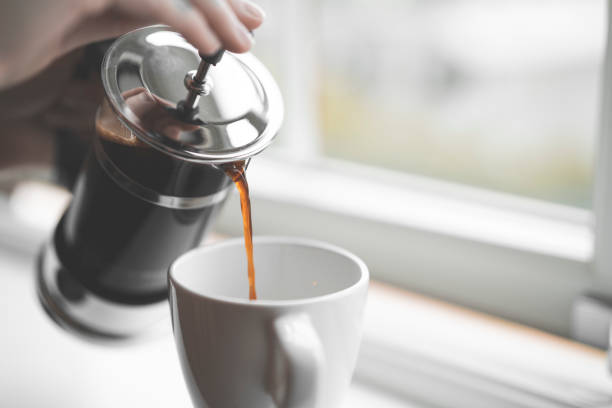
(294, 347)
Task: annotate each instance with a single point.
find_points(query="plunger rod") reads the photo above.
(195, 83)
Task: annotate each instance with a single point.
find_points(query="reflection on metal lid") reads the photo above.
(143, 74)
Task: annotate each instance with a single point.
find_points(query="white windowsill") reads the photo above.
(425, 204)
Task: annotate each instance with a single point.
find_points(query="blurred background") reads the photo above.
(495, 94)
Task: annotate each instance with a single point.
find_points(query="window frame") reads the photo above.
(602, 259)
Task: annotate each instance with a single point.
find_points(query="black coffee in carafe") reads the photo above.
(127, 222)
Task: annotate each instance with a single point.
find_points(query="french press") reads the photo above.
(154, 179)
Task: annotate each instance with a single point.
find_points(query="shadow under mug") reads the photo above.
(296, 346)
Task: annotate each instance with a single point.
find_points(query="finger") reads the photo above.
(178, 14)
(250, 14)
(184, 18)
(232, 33)
(111, 24)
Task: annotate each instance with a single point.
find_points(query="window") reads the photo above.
(500, 95)
(448, 143)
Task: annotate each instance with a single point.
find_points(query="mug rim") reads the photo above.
(304, 242)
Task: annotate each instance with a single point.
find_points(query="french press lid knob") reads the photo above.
(195, 82)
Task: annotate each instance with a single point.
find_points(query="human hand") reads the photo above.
(34, 33)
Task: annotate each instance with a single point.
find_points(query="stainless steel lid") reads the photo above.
(240, 110)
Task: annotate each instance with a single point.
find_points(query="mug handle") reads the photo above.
(302, 358)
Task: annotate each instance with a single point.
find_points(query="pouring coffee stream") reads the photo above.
(237, 172)
(195, 82)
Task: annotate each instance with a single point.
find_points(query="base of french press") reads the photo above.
(78, 310)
